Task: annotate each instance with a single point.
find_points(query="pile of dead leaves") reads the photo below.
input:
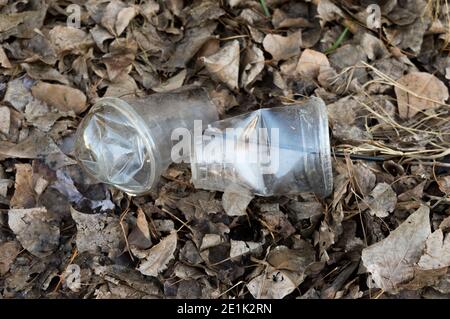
(384, 72)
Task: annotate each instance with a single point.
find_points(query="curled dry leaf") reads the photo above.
(224, 65)
(423, 91)
(62, 97)
(140, 235)
(310, 62)
(98, 233)
(36, 230)
(282, 48)
(391, 261)
(382, 200)
(158, 256)
(254, 64)
(328, 11)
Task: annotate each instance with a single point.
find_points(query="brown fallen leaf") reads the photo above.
(69, 39)
(283, 47)
(38, 71)
(5, 120)
(419, 91)
(37, 145)
(224, 65)
(110, 15)
(22, 24)
(118, 61)
(36, 230)
(328, 11)
(310, 62)
(124, 17)
(437, 251)
(62, 97)
(24, 196)
(158, 256)
(4, 61)
(391, 261)
(9, 251)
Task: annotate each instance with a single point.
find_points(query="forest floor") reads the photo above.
(382, 68)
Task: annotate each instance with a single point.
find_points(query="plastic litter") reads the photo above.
(127, 143)
(278, 151)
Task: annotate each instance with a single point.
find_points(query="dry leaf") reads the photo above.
(18, 93)
(224, 65)
(5, 120)
(70, 40)
(37, 145)
(159, 256)
(235, 201)
(173, 83)
(24, 196)
(36, 230)
(444, 184)
(44, 72)
(282, 48)
(310, 62)
(110, 15)
(98, 233)
(62, 97)
(8, 251)
(391, 261)
(193, 40)
(382, 200)
(240, 248)
(273, 284)
(253, 65)
(140, 235)
(437, 251)
(285, 272)
(124, 17)
(22, 24)
(425, 91)
(4, 61)
(328, 11)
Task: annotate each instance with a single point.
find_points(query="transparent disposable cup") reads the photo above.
(278, 151)
(127, 143)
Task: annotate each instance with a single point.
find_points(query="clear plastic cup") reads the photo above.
(127, 143)
(278, 151)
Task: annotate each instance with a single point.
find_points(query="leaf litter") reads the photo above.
(383, 232)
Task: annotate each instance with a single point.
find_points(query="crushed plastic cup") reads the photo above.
(127, 143)
(277, 151)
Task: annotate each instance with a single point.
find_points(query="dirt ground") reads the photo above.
(382, 68)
